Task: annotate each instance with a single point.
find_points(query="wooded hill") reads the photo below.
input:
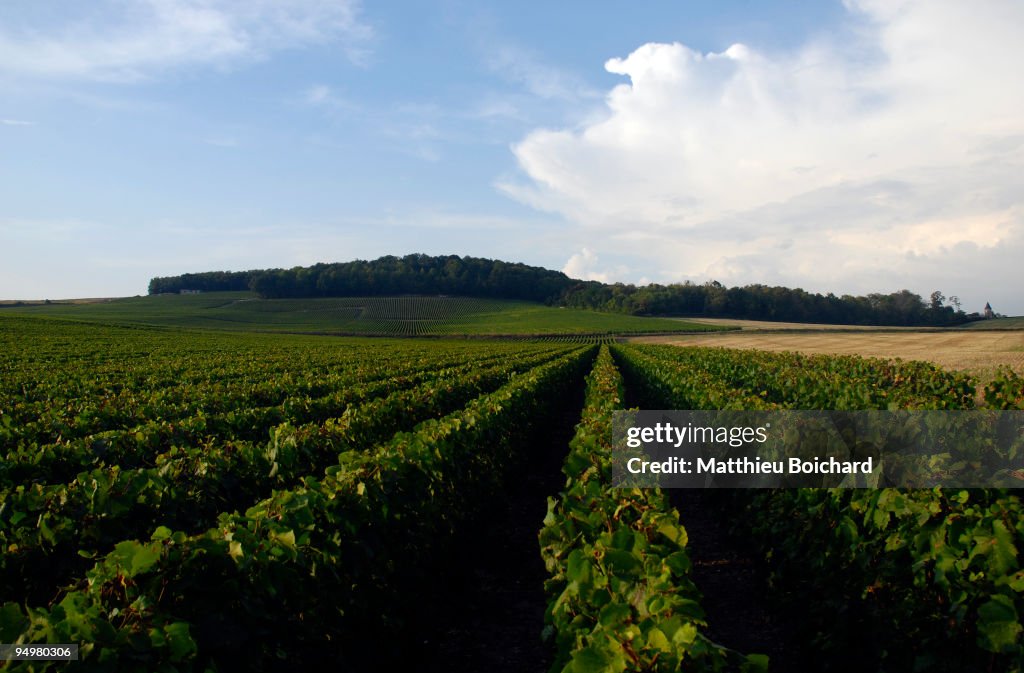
(478, 277)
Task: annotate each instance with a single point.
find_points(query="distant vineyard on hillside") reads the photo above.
(404, 316)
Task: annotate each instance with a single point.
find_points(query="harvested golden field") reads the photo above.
(747, 325)
(980, 353)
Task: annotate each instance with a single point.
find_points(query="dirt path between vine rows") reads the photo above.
(733, 582)
(493, 599)
(731, 579)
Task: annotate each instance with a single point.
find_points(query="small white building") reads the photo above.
(189, 291)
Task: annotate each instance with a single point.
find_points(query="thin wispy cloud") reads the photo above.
(115, 42)
(47, 230)
(895, 143)
(318, 94)
(326, 98)
(496, 108)
(528, 70)
(16, 122)
(226, 143)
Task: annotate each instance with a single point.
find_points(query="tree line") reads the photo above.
(478, 277)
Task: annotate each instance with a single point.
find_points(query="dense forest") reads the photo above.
(477, 277)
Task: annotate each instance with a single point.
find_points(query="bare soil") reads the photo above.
(488, 613)
(733, 580)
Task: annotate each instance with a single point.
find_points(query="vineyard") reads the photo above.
(208, 501)
(407, 316)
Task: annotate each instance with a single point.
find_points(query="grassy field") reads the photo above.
(396, 316)
(997, 323)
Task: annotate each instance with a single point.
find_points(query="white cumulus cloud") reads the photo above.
(584, 265)
(895, 143)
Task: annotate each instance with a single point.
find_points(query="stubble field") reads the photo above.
(977, 352)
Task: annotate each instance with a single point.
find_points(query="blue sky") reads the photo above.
(851, 147)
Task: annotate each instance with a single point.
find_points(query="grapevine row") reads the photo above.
(931, 578)
(308, 566)
(142, 445)
(620, 595)
(51, 419)
(42, 527)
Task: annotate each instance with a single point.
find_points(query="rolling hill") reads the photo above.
(390, 316)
